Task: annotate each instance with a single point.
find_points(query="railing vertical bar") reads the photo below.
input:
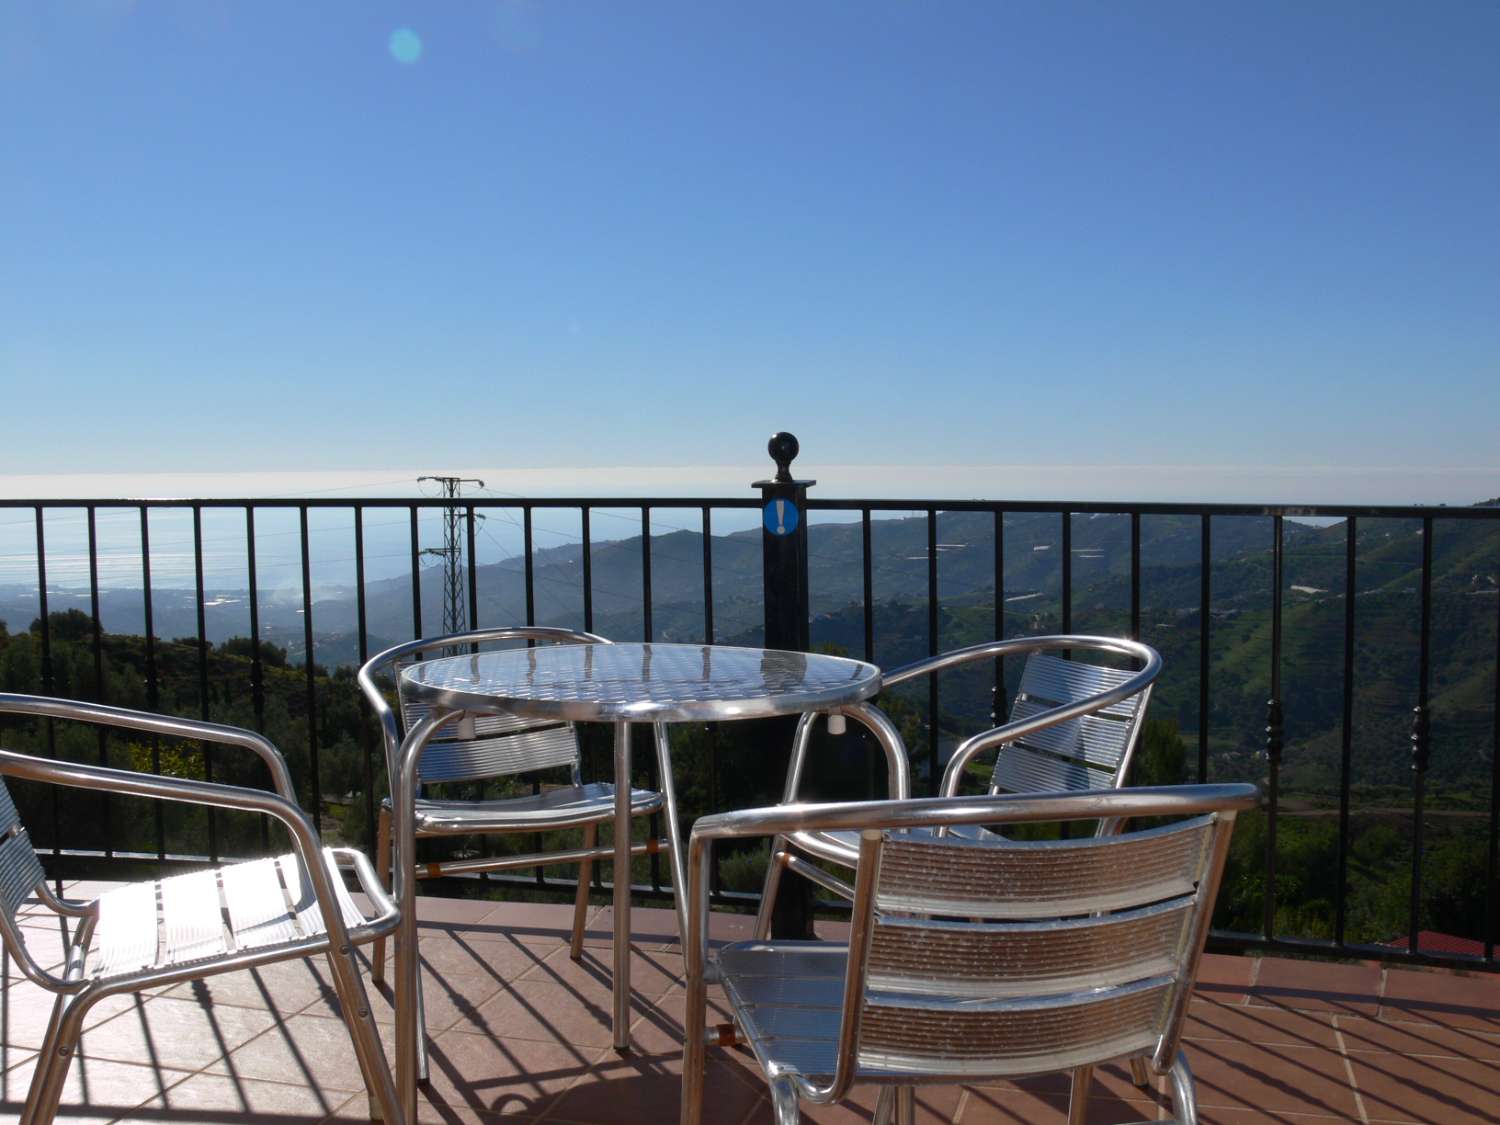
(1346, 735)
(932, 650)
(1273, 732)
(588, 577)
(473, 572)
(708, 576)
(310, 665)
(257, 666)
(1067, 574)
(152, 688)
(204, 709)
(1135, 576)
(869, 584)
(362, 624)
(647, 630)
(709, 730)
(529, 550)
(646, 573)
(1001, 707)
(416, 577)
(46, 671)
(1420, 736)
(1205, 583)
(528, 565)
(99, 693)
(1492, 862)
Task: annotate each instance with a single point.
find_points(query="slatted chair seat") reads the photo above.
(974, 958)
(263, 906)
(566, 806)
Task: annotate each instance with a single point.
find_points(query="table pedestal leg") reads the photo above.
(622, 887)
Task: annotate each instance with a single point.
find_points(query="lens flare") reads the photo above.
(405, 46)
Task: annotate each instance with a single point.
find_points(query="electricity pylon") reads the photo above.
(452, 552)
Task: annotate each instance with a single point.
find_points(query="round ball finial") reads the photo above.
(783, 449)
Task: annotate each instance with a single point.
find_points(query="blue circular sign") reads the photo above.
(780, 517)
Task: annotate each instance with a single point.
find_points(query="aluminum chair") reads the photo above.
(158, 932)
(971, 959)
(489, 747)
(1073, 726)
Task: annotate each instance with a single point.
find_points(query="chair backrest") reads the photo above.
(996, 957)
(1092, 751)
(20, 875)
(473, 747)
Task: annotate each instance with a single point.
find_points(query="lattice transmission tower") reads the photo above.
(452, 551)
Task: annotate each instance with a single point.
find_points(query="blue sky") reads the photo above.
(1255, 248)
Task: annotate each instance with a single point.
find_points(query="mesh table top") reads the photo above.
(642, 682)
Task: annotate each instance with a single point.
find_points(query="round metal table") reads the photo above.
(620, 684)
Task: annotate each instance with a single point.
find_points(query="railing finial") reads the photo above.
(783, 448)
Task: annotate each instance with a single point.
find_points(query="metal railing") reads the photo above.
(869, 514)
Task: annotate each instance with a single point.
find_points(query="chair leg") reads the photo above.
(354, 1002)
(1139, 1074)
(906, 1105)
(58, 1048)
(1078, 1095)
(581, 902)
(784, 1102)
(774, 868)
(422, 1071)
(885, 1106)
(383, 869)
(1184, 1096)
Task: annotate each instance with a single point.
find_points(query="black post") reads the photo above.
(784, 574)
(784, 548)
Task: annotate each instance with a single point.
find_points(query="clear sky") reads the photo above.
(1255, 247)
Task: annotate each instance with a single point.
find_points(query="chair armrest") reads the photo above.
(993, 650)
(898, 769)
(103, 715)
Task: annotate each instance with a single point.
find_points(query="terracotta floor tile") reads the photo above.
(489, 1075)
(462, 911)
(212, 1099)
(25, 1009)
(285, 987)
(652, 972)
(549, 1012)
(1417, 1039)
(642, 1088)
(1450, 999)
(1271, 1078)
(1225, 979)
(1044, 1105)
(659, 1029)
(180, 1034)
(651, 927)
(1439, 1090)
(1351, 990)
(304, 1050)
(96, 1089)
(46, 944)
(1260, 1024)
(470, 954)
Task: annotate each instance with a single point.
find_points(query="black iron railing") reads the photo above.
(1478, 787)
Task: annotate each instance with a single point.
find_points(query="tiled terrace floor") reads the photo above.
(521, 1031)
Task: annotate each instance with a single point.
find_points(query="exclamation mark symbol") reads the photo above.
(781, 517)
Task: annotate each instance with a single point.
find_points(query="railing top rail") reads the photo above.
(1083, 507)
